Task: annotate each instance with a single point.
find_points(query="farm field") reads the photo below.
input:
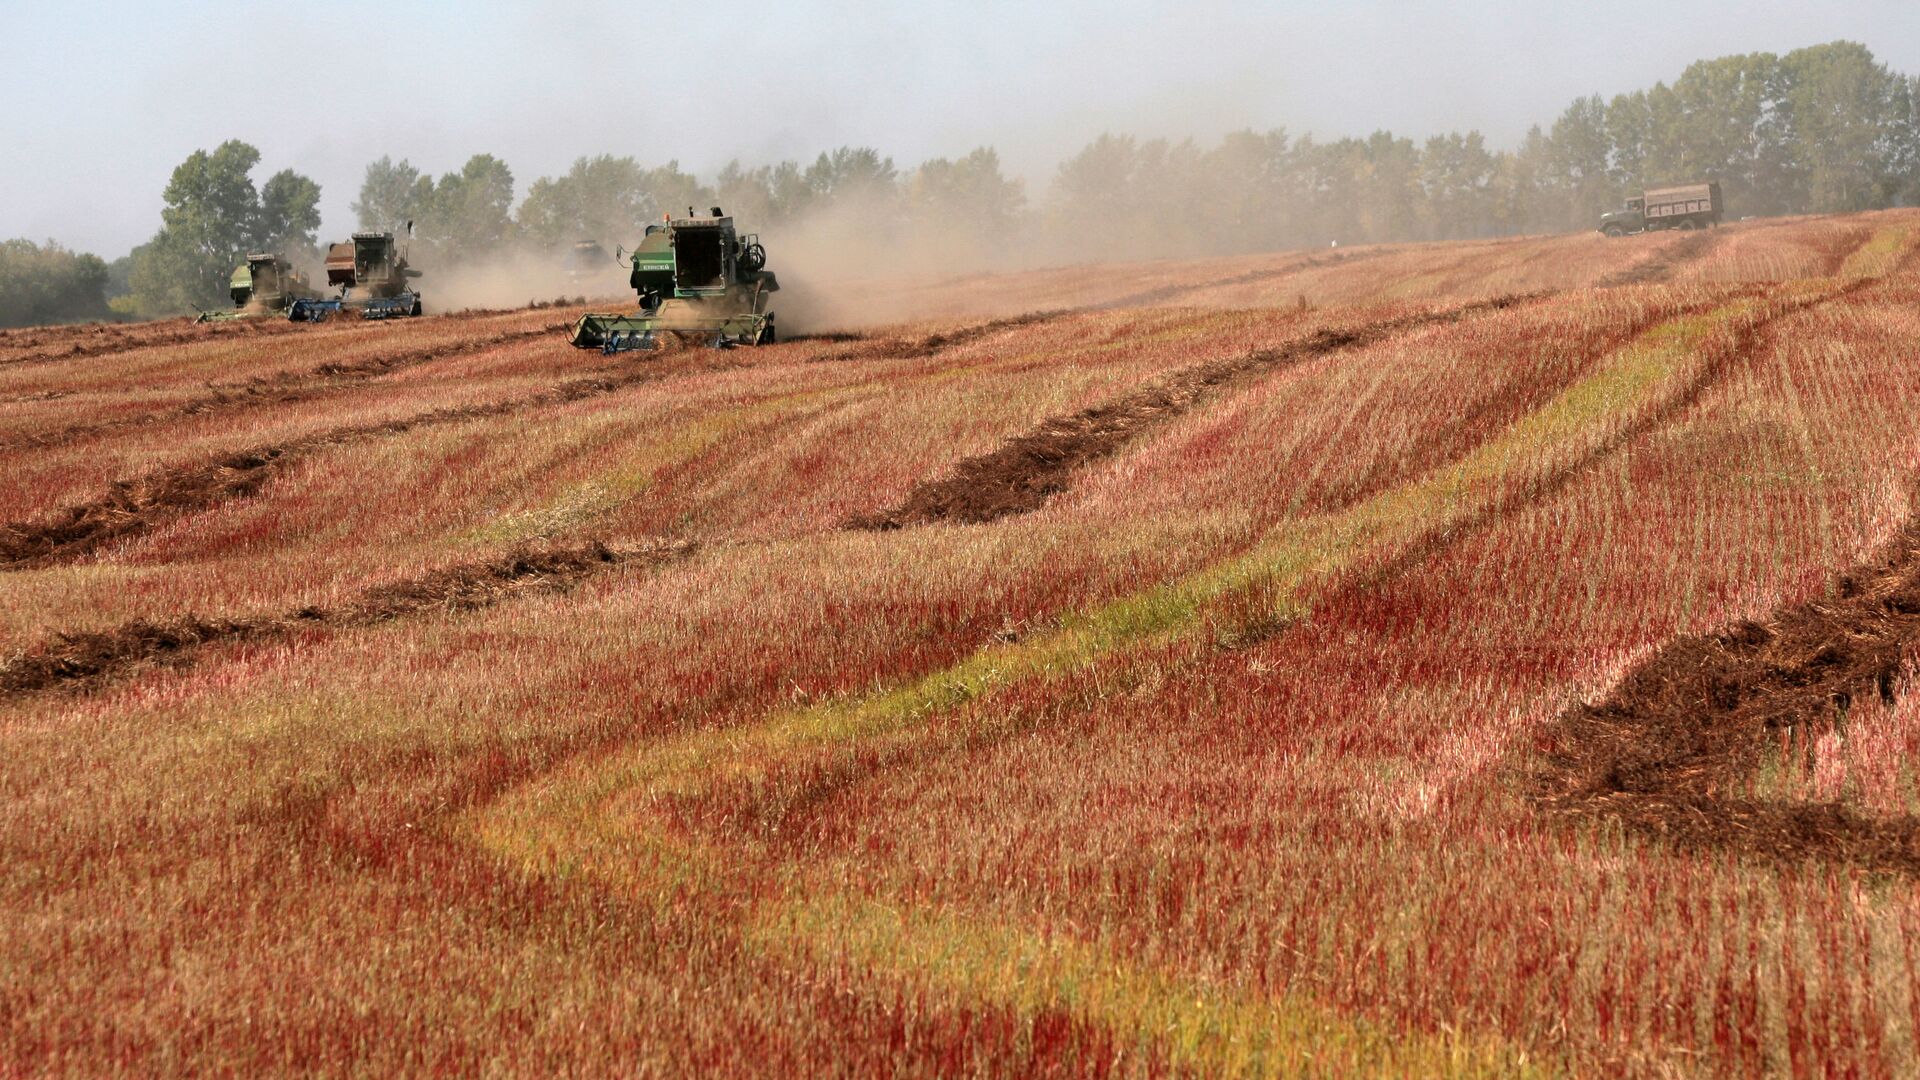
(1484, 658)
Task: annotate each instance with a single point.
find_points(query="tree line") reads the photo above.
(1818, 130)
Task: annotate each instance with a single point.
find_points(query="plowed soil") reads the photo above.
(1673, 749)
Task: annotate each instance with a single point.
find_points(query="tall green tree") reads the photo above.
(214, 216)
(601, 198)
(1456, 184)
(289, 215)
(854, 175)
(1093, 207)
(392, 194)
(470, 214)
(1843, 110)
(971, 193)
(1245, 194)
(50, 284)
(773, 194)
(1582, 159)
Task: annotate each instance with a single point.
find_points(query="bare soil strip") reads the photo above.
(130, 507)
(1027, 470)
(285, 388)
(75, 660)
(1673, 749)
(1660, 265)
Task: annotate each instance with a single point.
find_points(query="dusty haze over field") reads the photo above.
(325, 90)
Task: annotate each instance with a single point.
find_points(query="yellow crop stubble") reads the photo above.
(1880, 254)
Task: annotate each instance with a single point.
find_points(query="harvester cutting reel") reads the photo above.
(632, 333)
(405, 305)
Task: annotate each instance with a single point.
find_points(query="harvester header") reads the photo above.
(697, 278)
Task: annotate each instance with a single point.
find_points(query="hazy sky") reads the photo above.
(102, 100)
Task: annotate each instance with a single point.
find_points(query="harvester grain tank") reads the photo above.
(699, 280)
(374, 280)
(264, 285)
(1684, 206)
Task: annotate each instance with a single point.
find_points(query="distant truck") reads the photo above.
(1687, 206)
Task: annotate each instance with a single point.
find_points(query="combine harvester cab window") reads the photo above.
(699, 259)
(369, 258)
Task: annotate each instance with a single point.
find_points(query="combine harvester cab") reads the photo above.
(698, 280)
(373, 278)
(264, 285)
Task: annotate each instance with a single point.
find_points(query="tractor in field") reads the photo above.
(373, 278)
(264, 285)
(698, 280)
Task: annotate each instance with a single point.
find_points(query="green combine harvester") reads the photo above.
(699, 281)
(373, 277)
(263, 286)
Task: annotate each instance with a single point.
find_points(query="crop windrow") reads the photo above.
(125, 341)
(281, 389)
(915, 348)
(1024, 472)
(1161, 294)
(1674, 745)
(130, 507)
(87, 658)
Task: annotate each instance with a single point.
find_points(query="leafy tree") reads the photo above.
(391, 195)
(1094, 207)
(1456, 182)
(470, 213)
(213, 218)
(1842, 109)
(856, 175)
(1246, 193)
(289, 215)
(970, 194)
(50, 284)
(1581, 163)
(773, 194)
(608, 199)
(601, 198)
